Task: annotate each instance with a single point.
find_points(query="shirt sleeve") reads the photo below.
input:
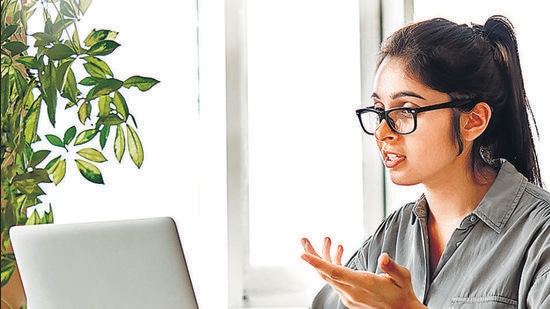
(539, 295)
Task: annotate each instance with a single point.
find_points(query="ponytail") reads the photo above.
(514, 138)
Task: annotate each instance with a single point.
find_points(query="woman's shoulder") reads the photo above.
(539, 194)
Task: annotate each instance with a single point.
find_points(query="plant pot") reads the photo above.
(13, 294)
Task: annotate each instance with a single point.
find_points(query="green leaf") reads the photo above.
(67, 10)
(59, 51)
(29, 62)
(35, 218)
(48, 89)
(27, 153)
(142, 83)
(31, 201)
(54, 140)
(31, 119)
(48, 215)
(58, 172)
(94, 71)
(104, 104)
(38, 157)
(84, 112)
(7, 272)
(60, 25)
(89, 171)
(103, 48)
(96, 36)
(92, 155)
(70, 90)
(37, 176)
(69, 135)
(28, 185)
(43, 39)
(103, 87)
(85, 136)
(100, 64)
(4, 99)
(57, 169)
(134, 146)
(89, 81)
(62, 74)
(52, 163)
(121, 106)
(103, 135)
(22, 85)
(119, 144)
(8, 31)
(76, 41)
(84, 5)
(110, 120)
(15, 47)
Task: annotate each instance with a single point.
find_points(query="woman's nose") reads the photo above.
(383, 131)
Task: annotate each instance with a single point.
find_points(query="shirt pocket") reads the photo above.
(486, 302)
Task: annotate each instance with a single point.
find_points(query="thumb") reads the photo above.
(399, 274)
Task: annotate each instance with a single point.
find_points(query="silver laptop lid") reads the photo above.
(136, 264)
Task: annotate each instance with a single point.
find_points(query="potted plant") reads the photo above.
(56, 73)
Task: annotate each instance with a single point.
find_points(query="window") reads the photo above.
(295, 159)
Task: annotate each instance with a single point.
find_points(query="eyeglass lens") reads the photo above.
(400, 120)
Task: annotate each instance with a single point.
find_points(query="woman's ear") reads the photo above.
(474, 122)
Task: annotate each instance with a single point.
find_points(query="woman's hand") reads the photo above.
(360, 289)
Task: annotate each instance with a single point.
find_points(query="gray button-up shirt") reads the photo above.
(499, 256)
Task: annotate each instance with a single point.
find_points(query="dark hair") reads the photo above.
(480, 63)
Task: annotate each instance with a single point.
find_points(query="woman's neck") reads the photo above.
(449, 203)
(458, 196)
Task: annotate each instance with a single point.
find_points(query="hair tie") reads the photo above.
(479, 29)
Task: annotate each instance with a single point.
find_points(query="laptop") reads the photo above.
(136, 263)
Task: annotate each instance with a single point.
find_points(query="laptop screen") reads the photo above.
(137, 263)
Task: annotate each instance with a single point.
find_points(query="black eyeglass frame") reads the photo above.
(383, 114)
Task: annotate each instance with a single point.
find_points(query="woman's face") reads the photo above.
(429, 154)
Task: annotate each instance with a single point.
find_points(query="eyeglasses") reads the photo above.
(402, 120)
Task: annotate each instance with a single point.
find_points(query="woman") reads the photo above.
(450, 112)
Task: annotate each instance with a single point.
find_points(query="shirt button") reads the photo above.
(458, 243)
(473, 218)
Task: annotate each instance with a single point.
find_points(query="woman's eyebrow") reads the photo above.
(400, 94)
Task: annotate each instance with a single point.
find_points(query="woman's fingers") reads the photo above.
(308, 247)
(400, 275)
(338, 256)
(326, 249)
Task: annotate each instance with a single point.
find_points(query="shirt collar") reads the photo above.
(499, 202)
(497, 205)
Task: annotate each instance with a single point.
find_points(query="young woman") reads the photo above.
(450, 112)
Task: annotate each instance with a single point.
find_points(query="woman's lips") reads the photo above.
(391, 159)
